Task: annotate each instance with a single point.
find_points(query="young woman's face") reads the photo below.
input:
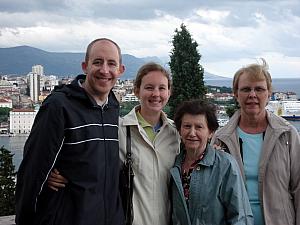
(153, 92)
(194, 132)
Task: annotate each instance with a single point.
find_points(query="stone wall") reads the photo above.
(7, 220)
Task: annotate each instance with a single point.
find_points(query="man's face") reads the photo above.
(102, 69)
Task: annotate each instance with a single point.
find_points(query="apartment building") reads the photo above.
(21, 120)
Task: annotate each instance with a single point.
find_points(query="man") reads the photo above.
(76, 131)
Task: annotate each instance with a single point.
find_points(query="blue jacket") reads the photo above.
(79, 138)
(217, 192)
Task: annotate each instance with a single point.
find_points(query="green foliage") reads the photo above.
(187, 73)
(126, 107)
(4, 114)
(217, 89)
(230, 109)
(7, 183)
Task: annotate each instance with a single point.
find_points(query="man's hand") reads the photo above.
(56, 181)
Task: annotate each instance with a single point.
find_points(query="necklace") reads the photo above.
(186, 175)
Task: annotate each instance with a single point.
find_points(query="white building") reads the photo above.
(38, 69)
(34, 86)
(21, 120)
(129, 98)
(5, 102)
(48, 83)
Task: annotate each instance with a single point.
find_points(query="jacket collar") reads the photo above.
(75, 90)
(208, 159)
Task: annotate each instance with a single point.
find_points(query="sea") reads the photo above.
(16, 143)
(278, 84)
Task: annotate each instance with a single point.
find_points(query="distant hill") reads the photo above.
(209, 76)
(19, 60)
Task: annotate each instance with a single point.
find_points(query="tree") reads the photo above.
(187, 73)
(4, 114)
(230, 109)
(126, 107)
(7, 183)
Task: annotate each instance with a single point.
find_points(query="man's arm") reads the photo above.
(40, 153)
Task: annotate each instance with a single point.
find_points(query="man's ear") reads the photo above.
(121, 69)
(83, 67)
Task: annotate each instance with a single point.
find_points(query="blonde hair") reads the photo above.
(256, 72)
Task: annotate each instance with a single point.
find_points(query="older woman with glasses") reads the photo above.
(266, 147)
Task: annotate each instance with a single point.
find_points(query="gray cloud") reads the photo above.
(18, 6)
(240, 29)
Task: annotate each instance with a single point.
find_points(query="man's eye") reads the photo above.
(112, 64)
(98, 62)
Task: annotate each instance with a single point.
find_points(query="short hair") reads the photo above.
(147, 68)
(89, 47)
(197, 107)
(256, 72)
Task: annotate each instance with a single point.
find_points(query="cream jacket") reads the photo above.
(279, 168)
(151, 165)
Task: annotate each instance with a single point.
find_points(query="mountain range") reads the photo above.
(19, 61)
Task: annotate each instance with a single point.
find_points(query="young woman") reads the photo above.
(154, 143)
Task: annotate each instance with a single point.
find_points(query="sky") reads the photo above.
(230, 33)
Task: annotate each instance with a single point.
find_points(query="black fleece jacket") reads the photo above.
(79, 138)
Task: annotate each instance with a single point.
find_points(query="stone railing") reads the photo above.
(7, 220)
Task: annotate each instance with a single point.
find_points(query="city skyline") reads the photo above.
(230, 33)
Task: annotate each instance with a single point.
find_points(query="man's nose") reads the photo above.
(104, 68)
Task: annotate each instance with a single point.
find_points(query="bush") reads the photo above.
(7, 183)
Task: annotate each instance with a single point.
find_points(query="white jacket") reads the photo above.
(151, 165)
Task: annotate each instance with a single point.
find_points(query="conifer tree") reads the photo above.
(187, 73)
(7, 183)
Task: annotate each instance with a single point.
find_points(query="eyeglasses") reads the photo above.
(258, 90)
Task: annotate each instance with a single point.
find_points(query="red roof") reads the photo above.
(22, 110)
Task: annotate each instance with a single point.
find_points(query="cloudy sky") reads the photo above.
(230, 33)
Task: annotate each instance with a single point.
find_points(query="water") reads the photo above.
(15, 145)
(279, 84)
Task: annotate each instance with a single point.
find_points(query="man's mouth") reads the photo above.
(103, 78)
